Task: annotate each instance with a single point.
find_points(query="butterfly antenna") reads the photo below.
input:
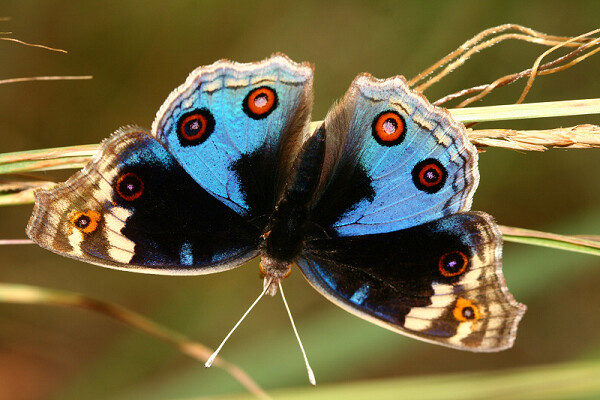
(311, 375)
(211, 359)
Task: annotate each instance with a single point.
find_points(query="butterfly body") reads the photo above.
(290, 221)
(373, 206)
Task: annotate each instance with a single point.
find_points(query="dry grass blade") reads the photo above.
(13, 193)
(571, 380)
(41, 46)
(573, 58)
(477, 43)
(545, 69)
(595, 238)
(10, 242)
(508, 112)
(83, 150)
(44, 165)
(45, 78)
(47, 159)
(38, 78)
(536, 64)
(580, 136)
(576, 137)
(19, 186)
(23, 294)
(583, 136)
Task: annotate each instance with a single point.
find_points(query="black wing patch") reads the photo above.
(440, 282)
(135, 208)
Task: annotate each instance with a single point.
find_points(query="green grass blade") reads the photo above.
(560, 381)
(544, 239)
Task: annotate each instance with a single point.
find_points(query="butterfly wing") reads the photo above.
(135, 208)
(394, 161)
(440, 281)
(393, 242)
(235, 128)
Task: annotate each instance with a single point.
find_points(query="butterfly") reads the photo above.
(372, 205)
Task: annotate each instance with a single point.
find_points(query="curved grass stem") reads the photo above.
(24, 294)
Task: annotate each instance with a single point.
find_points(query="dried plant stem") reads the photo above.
(44, 165)
(82, 150)
(575, 137)
(32, 45)
(38, 78)
(45, 78)
(585, 46)
(531, 73)
(545, 69)
(477, 43)
(15, 193)
(23, 294)
(583, 136)
(10, 242)
(524, 111)
(536, 64)
(47, 159)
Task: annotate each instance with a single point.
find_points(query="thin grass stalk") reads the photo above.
(24, 294)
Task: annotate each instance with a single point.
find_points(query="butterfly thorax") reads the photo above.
(283, 237)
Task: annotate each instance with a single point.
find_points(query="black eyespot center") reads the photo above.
(466, 310)
(82, 221)
(429, 175)
(129, 186)
(86, 221)
(260, 102)
(453, 263)
(468, 313)
(195, 126)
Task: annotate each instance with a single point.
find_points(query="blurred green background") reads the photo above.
(138, 51)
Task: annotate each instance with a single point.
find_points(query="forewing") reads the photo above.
(393, 161)
(235, 128)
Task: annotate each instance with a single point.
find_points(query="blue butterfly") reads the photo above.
(372, 205)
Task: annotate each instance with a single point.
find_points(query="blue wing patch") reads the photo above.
(411, 161)
(227, 112)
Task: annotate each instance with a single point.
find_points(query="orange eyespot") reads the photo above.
(129, 186)
(260, 102)
(466, 310)
(453, 263)
(389, 128)
(194, 127)
(429, 175)
(86, 221)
